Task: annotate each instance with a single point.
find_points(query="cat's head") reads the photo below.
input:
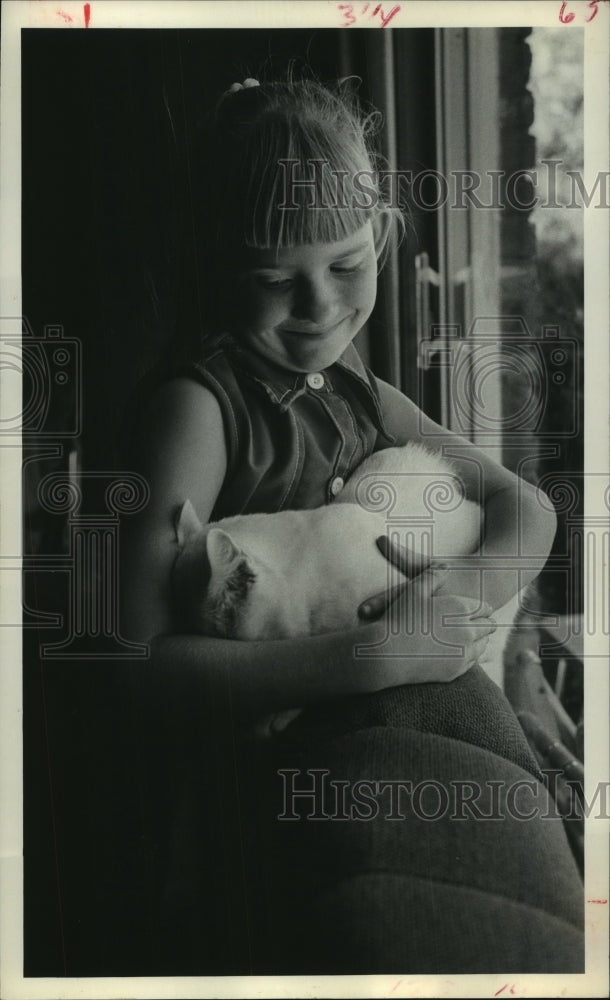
(219, 589)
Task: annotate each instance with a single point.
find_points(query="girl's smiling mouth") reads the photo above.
(325, 332)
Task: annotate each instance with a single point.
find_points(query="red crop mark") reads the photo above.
(386, 18)
(62, 13)
(593, 4)
(350, 13)
(87, 13)
(566, 16)
(602, 901)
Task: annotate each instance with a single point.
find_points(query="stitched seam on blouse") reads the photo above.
(299, 452)
(374, 390)
(365, 381)
(269, 389)
(355, 429)
(339, 457)
(276, 395)
(293, 389)
(345, 464)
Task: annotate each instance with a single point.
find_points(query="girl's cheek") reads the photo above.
(264, 312)
(363, 287)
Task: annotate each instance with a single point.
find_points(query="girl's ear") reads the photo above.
(187, 524)
(381, 231)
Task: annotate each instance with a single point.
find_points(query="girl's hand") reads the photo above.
(425, 635)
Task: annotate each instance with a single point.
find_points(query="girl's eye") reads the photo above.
(345, 269)
(275, 283)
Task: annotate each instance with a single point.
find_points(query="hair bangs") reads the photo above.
(301, 185)
(285, 164)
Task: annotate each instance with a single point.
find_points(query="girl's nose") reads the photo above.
(314, 301)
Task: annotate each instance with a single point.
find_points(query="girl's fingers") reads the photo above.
(431, 579)
(468, 609)
(483, 628)
(484, 611)
(484, 624)
(480, 644)
(396, 554)
(428, 582)
(375, 606)
(426, 585)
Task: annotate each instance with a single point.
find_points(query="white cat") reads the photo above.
(303, 572)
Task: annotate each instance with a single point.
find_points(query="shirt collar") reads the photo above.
(283, 387)
(282, 384)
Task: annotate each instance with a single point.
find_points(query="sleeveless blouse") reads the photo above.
(293, 439)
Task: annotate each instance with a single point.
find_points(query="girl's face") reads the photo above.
(301, 306)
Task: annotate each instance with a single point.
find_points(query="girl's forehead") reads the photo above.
(359, 241)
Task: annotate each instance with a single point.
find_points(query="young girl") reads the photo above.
(278, 409)
(274, 413)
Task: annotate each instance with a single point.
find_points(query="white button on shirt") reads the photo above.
(315, 380)
(336, 486)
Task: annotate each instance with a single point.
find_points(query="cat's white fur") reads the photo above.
(303, 572)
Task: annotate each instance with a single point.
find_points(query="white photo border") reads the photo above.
(19, 15)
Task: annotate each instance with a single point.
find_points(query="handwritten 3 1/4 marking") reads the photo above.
(352, 13)
(566, 16)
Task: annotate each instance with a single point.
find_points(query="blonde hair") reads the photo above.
(284, 164)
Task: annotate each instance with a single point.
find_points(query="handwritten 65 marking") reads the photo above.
(353, 13)
(566, 16)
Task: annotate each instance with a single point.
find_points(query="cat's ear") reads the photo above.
(232, 578)
(222, 550)
(187, 524)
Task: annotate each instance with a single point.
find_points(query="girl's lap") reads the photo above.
(267, 840)
(471, 709)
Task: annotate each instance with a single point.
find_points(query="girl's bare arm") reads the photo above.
(520, 523)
